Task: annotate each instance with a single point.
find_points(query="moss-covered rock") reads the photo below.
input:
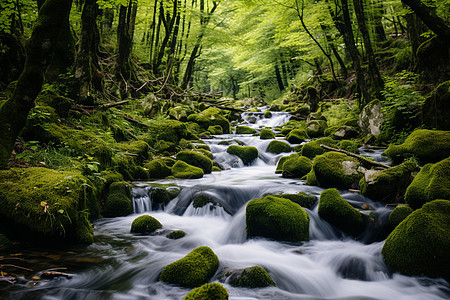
(176, 234)
(206, 153)
(399, 214)
(245, 130)
(118, 203)
(316, 128)
(196, 159)
(193, 270)
(349, 146)
(266, 134)
(201, 200)
(203, 146)
(345, 132)
(420, 244)
(60, 103)
(432, 182)
(310, 178)
(435, 110)
(164, 146)
(296, 167)
(277, 218)
(215, 129)
(168, 130)
(160, 197)
(388, 185)
(41, 204)
(303, 199)
(278, 147)
(429, 146)
(157, 169)
(335, 210)
(281, 162)
(184, 170)
(210, 117)
(145, 224)
(252, 277)
(312, 149)
(246, 154)
(208, 291)
(334, 169)
(140, 148)
(297, 136)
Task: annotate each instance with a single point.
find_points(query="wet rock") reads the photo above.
(316, 128)
(196, 159)
(160, 198)
(184, 170)
(246, 154)
(303, 199)
(118, 203)
(278, 147)
(245, 129)
(296, 167)
(346, 132)
(297, 136)
(371, 118)
(399, 214)
(208, 291)
(266, 134)
(176, 234)
(145, 224)
(252, 277)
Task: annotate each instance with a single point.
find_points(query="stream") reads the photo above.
(332, 265)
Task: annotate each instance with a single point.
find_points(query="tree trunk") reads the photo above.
(377, 18)
(87, 78)
(40, 48)
(374, 71)
(436, 24)
(279, 79)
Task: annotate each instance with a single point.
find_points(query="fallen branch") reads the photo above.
(114, 104)
(225, 107)
(363, 160)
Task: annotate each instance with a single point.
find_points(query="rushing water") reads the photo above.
(121, 265)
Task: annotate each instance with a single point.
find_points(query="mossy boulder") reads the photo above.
(267, 114)
(210, 117)
(246, 153)
(278, 147)
(312, 149)
(201, 200)
(429, 146)
(297, 136)
(157, 169)
(281, 162)
(206, 153)
(145, 224)
(349, 146)
(165, 146)
(252, 277)
(266, 134)
(432, 182)
(176, 234)
(420, 244)
(184, 170)
(40, 204)
(203, 146)
(178, 113)
(139, 148)
(215, 129)
(399, 214)
(193, 270)
(196, 159)
(245, 130)
(371, 118)
(316, 128)
(277, 218)
(334, 169)
(335, 210)
(118, 203)
(345, 132)
(160, 197)
(208, 291)
(296, 167)
(168, 130)
(303, 199)
(387, 185)
(436, 108)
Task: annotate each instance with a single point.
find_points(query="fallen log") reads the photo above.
(364, 161)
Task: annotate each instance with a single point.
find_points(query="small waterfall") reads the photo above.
(142, 201)
(257, 120)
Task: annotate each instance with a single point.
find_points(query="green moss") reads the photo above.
(215, 129)
(160, 197)
(330, 130)
(266, 134)
(210, 117)
(316, 128)
(297, 136)
(176, 234)
(387, 185)
(281, 162)
(193, 270)
(253, 277)
(61, 104)
(157, 169)
(296, 166)
(278, 147)
(334, 169)
(163, 146)
(399, 214)
(185, 144)
(203, 146)
(216, 169)
(435, 108)
(227, 143)
(145, 224)
(244, 130)
(345, 132)
(349, 146)
(42, 204)
(432, 182)
(183, 170)
(205, 153)
(428, 146)
(267, 114)
(201, 200)
(196, 159)
(208, 291)
(335, 210)
(246, 154)
(277, 218)
(168, 130)
(419, 245)
(140, 148)
(312, 149)
(118, 203)
(36, 120)
(303, 199)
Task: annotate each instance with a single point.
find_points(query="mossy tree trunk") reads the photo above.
(88, 81)
(39, 49)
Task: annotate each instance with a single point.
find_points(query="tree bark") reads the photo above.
(40, 48)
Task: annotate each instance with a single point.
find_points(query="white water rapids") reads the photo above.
(330, 266)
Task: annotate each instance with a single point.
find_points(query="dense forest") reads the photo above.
(245, 143)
